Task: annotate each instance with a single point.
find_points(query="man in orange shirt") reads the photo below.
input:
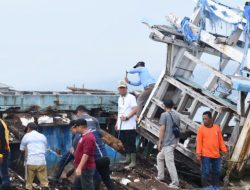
(209, 144)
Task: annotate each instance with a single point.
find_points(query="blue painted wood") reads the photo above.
(58, 101)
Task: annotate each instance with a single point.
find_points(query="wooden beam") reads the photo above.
(153, 137)
(234, 37)
(241, 151)
(223, 119)
(209, 39)
(212, 80)
(170, 54)
(207, 93)
(151, 95)
(192, 126)
(183, 44)
(160, 94)
(201, 98)
(193, 108)
(210, 68)
(241, 104)
(182, 104)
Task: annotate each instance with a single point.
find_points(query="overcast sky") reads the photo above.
(51, 44)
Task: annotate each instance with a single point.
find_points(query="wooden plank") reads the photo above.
(207, 93)
(223, 119)
(154, 139)
(195, 18)
(187, 152)
(231, 52)
(241, 104)
(214, 115)
(242, 149)
(193, 108)
(193, 126)
(209, 39)
(151, 95)
(183, 102)
(210, 68)
(196, 95)
(160, 94)
(213, 79)
(170, 54)
(234, 37)
(183, 44)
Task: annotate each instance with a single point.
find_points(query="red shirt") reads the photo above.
(86, 146)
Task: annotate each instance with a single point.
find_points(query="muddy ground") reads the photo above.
(140, 178)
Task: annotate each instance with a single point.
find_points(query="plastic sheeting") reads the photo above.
(215, 11)
(185, 29)
(241, 84)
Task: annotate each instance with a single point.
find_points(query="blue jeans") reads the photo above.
(66, 158)
(209, 164)
(4, 170)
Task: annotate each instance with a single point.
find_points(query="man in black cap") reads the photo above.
(145, 79)
(85, 156)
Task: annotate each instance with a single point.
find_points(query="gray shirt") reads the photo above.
(169, 138)
(91, 121)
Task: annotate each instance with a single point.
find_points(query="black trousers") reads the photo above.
(128, 138)
(102, 166)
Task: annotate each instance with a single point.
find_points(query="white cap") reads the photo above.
(122, 83)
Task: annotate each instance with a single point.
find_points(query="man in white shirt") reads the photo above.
(126, 123)
(35, 144)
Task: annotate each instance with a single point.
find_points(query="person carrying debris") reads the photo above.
(101, 159)
(35, 144)
(69, 155)
(209, 144)
(145, 79)
(84, 156)
(168, 141)
(4, 154)
(126, 123)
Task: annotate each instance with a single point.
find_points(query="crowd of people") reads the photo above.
(89, 154)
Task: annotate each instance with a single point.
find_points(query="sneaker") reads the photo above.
(173, 186)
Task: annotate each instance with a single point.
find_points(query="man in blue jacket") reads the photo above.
(146, 80)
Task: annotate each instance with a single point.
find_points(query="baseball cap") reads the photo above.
(122, 83)
(141, 63)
